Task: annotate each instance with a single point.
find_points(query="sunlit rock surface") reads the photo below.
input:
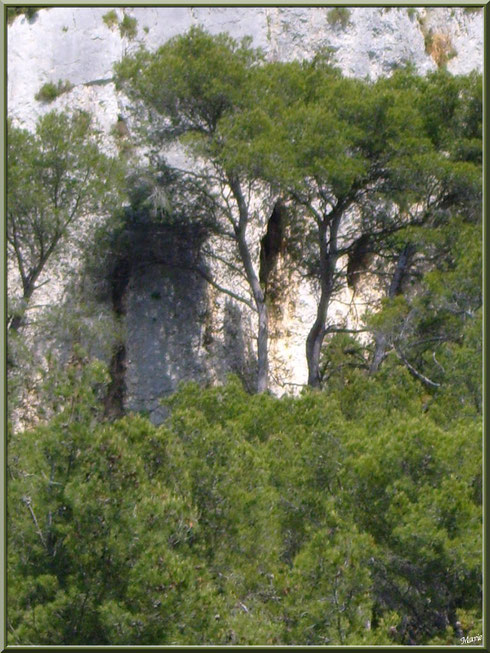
(176, 326)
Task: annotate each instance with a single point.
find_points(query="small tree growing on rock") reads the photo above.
(57, 178)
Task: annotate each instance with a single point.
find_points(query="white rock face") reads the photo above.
(76, 44)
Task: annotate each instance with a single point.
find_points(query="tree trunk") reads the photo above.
(328, 227)
(381, 339)
(262, 349)
(15, 323)
(29, 286)
(257, 292)
(263, 326)
(314, 343)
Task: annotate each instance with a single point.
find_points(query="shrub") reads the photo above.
(50, 91)
(439, 46)
(29, 12)
(127, 27)
(120, 133)
(110, 19)
(338, 16)
(245, 519)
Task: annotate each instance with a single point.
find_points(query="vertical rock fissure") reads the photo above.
(116, 391)
(274, 277)
(271, 246)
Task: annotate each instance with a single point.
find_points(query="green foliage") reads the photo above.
(440, 325)
(110, 19)
(211, 70)
(348, 516)
(50, 91)
(342, 354)
(29, 12)
(73, 330)
(128, 27)
(57, 177)
(338, 16)
(460, 130)
(326, 519)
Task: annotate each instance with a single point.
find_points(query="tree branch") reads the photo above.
(207, 277)
(415, 372)
(27, 502)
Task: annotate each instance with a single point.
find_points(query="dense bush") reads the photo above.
(50, 91)
(347, 517)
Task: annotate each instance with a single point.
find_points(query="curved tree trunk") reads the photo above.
(29, 286)
(314, 343)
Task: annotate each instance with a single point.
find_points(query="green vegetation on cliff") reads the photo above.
(347, 515)
(360, 163)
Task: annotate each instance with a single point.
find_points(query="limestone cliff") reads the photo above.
(176, 326)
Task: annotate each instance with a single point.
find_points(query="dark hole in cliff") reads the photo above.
(271, 246)
(359, 256)
(158, 252)
(119, 282)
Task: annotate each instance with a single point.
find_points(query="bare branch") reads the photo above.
(205, 275)
(229, 265)
(415, 372)
(27, 502)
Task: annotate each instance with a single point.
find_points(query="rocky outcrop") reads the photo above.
(177, 327)
(76, 44)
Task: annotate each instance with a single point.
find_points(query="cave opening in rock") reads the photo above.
(271, 246)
